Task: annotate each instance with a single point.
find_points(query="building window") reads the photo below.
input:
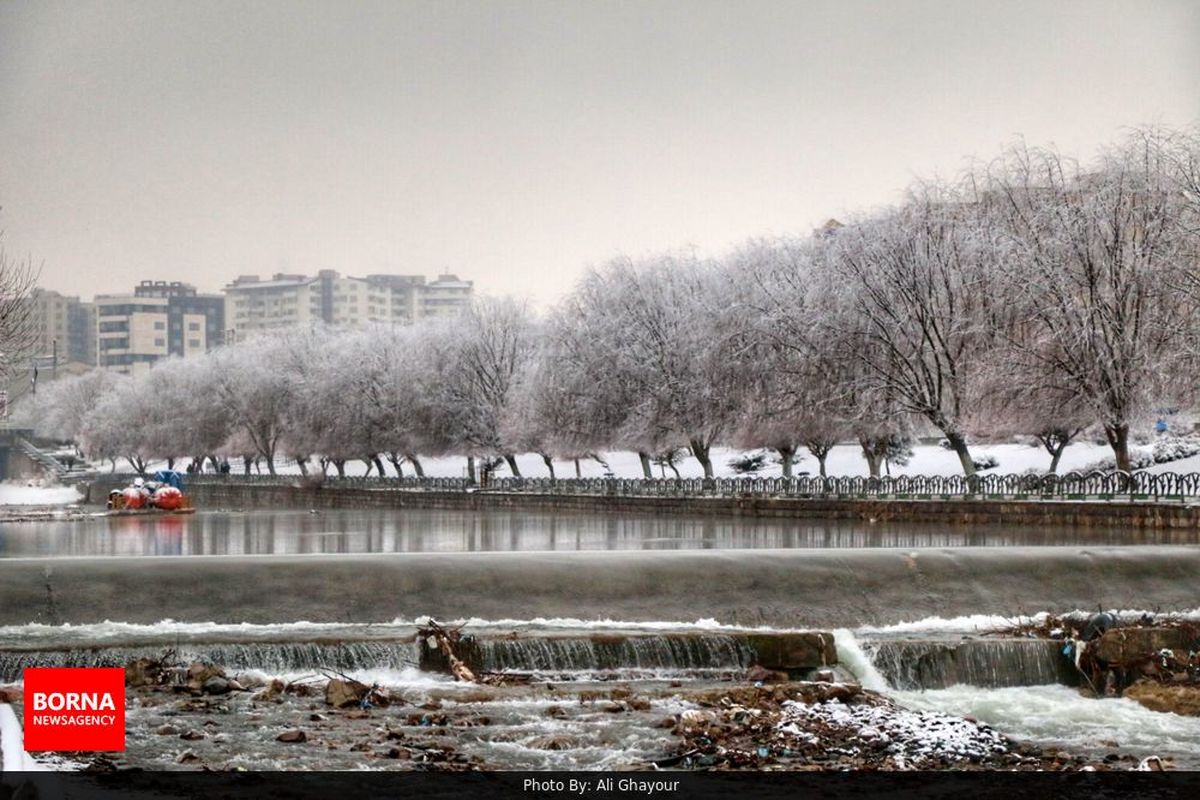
(193, 326)
(158, 326)
(195, 343)
(160, 342)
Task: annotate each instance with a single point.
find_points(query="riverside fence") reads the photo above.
(1144, 486)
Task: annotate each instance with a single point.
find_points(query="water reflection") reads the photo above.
(414, 531)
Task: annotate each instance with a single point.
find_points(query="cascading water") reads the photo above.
(1048, 714)
(270, 658)
(600, 653)
(989, 663)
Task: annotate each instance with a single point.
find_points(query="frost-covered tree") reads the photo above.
(252, 385)
(919, 285)
(1094, 253)
(18, 334)
(679, 350)
(793, 396)
(492, 340)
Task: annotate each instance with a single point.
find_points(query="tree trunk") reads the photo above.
(549, 464)
(820, 449)
(216, 465)
(370, 466)
(416, 464)
(170, 462)
(271, 464)
(959, 445)
(645, 459)
(700, 451)
(674, 469)
(512, 465)
(471, 470)
(246, 462)
(787, 456)
(302, 463)
(1118, 439)
(340, 465)
(396, 460)
(873, 451)
(379, 465)
(1055, 455)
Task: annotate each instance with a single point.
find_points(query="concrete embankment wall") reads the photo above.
(1111, 513)
(796, 588)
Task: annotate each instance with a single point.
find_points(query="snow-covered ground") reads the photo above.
(15, 494)
(844, 459)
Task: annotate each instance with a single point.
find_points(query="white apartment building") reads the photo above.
(286, 301)
(158, 320)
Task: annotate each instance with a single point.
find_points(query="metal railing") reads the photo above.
(1068, 486)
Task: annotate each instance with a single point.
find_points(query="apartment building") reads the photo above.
(160, 319)
(286, 301)
(65, 328)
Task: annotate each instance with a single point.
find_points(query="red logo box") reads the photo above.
(74, 709)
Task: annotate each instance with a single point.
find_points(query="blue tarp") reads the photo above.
(170, 477)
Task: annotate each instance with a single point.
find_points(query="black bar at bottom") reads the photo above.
(597, 785)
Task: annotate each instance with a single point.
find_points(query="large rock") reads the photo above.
(143, 672)
(1127, 645)
(1175, 699)
(341, 694)
(787, 651)
(199, 673)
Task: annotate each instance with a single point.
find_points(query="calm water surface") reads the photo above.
(411, 530)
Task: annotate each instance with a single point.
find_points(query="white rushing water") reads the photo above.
(1051, 715)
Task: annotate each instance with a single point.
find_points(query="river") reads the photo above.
(287, 592)
(223, 533)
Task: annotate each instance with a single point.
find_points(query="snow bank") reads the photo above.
(12, 494)
(913, 738)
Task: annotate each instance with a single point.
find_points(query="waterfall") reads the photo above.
(592, 653)
(913, 664)
(853, 658)
(270, 658)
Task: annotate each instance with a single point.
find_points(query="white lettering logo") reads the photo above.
(73, 701)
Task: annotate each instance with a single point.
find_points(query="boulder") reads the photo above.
(272, 692)
(143, 672)
(798, 650)
(760, 674)
(216, 685)
(292, 737)
(199, 673)
(342, 694)
(1127, 645)
(1175, 699)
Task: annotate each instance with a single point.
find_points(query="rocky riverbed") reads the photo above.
(203, 718)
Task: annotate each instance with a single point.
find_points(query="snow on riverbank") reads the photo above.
(844, 459)
(913, 738)
(13, 494)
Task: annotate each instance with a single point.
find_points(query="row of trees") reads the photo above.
(1032, 295)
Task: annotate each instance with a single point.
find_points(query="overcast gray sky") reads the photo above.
(516, 142)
